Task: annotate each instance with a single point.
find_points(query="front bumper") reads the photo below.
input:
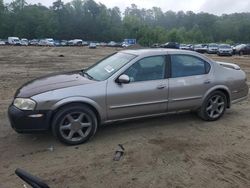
(212, 51)
(225, 53)
(29, 121)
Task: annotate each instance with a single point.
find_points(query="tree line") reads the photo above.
(88, 20)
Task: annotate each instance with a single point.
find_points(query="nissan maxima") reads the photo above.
(126, 85)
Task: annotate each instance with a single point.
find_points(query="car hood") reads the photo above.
(52, 82)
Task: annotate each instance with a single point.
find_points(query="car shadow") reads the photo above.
(178, 121)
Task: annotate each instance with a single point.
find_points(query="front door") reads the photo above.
(146, 94)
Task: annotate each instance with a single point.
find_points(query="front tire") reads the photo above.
(213, 107)
(74, 124)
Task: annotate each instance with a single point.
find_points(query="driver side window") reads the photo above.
(149, 68)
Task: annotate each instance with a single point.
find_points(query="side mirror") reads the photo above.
(123, 79)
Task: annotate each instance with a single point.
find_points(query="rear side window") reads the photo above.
(186, 65)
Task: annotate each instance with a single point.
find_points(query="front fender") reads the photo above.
(79, 99)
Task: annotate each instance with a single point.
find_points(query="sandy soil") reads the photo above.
(173, 151)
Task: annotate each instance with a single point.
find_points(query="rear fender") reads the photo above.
(219, 87)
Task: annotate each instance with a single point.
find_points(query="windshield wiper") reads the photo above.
(85, 73)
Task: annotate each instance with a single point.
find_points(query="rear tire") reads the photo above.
(213, 107)
(74, 124)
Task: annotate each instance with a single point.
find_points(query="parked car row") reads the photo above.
(212, 48)
(51, 42)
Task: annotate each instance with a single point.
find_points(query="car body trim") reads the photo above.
(147, 116)
(187, 98)
(138, 104)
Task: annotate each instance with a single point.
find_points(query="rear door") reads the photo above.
(189, 81)
(146, 94)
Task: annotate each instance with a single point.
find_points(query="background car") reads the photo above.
(46, 42)
(92, 45)
(243, 50)
(173, 45)
(225, 49)
(125, 45)
(155, 45)
(57, 43)
(85, 43)
(2, 42)
(14, 41)
(24, 42)
(186, 46)
(126, 85)
(212, 48)
(64, 42)
(34, 42)
(75, 42)
(112, 44)
(200, 48)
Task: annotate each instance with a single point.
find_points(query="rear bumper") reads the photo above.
(240, 95)
(29, 121)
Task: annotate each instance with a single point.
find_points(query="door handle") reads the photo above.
(162, 86)
(207, 82)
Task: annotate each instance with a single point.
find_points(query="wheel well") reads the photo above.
(227, 96)
(75, 103)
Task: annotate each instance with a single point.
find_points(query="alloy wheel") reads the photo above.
(75, 126)
(215, 106)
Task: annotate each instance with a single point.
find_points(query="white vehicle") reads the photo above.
(14, 41)
(2, 42)
(225, 49)
(125, 44)
(212, 48)
(46, 42)
(50, 42)
(200, 48)
(75, 42)
(24, 42)
(92, 45)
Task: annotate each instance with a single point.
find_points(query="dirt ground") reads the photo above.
(172, 151)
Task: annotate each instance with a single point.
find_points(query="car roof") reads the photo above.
(164, 51)
(150, 51)
(146, 52)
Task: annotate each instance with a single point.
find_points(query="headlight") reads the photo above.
(24, 104)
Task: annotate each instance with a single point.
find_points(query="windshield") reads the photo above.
(225, 46)
(108, 66)
(198, 46)
(213, 45)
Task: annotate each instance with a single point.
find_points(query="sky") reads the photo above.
(217, 7)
